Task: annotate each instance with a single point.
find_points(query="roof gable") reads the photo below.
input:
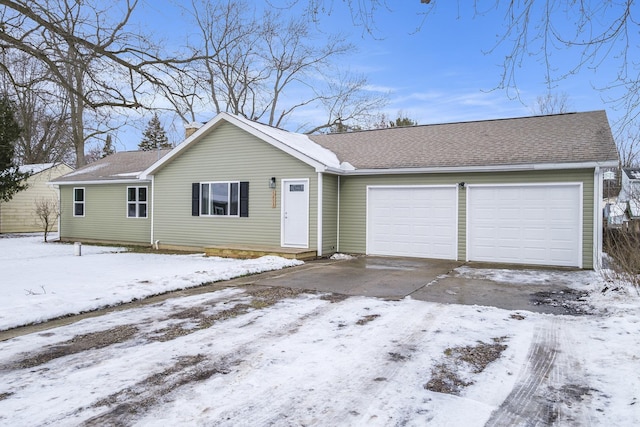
(538, 140)
(297, 145)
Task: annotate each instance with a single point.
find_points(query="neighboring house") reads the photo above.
(18, 215)
(616, 214)
(625, 210)
(629, 185)
(523, 190)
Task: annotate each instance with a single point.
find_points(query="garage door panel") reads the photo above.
(416, 221)
(526, 224)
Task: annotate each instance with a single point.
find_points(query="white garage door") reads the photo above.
(525, 224)
(412, 221)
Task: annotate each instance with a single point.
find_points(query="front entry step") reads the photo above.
(244, 252)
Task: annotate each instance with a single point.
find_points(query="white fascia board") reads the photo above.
(242, 124)
(463, 169)
(112, 181)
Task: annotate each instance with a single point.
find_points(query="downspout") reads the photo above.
(152, 209)
(59, 213)
(597, 218)
(319, 216)
(338, 219)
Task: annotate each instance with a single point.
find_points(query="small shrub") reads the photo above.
(623, 248)
(47, 213)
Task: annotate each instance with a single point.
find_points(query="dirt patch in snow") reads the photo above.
(78, 344)
(398, 357)
(197, 318)
(191, 320)
(137, 399)
(571, 301)
(447, 376)
(333, 297)
(366, 319)
(5, 395)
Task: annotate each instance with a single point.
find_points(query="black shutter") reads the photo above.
(195, 199)
(244, 199)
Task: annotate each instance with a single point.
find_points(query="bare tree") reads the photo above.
(89, 52)
(47, 214)
(629, 150)
(269, 68)
(40, 109)
(551, 103)
(351, 107)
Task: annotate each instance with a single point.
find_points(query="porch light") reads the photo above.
(272, 182)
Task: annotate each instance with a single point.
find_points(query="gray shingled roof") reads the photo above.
(561, 138)
(118, 166)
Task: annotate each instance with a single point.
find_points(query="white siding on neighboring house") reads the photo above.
(18, 214)
(630, 185)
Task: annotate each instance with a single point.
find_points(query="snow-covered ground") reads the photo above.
(253, 357)
(43, 281)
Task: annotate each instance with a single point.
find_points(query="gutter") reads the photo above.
(467, 169)
(112, 181)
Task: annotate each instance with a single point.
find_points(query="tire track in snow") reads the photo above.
(538, 398)
(347, 401)
(147, 394)
(526, 404)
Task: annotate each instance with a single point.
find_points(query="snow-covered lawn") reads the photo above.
(272, 356)
(44, 281)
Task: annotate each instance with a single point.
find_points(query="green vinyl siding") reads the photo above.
(228, 154)
(105, 215)
(329, 214)
(353, 201)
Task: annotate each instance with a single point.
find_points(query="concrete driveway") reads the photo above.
(435, 281)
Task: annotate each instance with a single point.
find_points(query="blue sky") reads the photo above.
(440, 73)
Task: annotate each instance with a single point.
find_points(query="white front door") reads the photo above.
(295, 213)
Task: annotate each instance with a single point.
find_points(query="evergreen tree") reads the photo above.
(383, 121)
(108, 147)
(154, 136)
(403, 121)
(11, 179)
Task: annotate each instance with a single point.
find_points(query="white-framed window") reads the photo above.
(136, 202)
(219, 198)
(78, 201)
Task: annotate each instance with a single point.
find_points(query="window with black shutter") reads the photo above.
(220, 198)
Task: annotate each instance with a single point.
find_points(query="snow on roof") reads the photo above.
(297, 141)
(90, 168)
(35, 168)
